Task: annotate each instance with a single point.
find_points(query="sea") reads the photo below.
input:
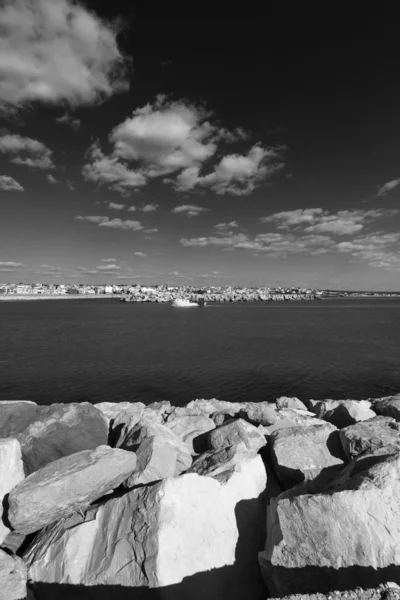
(110, 351)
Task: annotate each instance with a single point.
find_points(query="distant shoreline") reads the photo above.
(27, 297)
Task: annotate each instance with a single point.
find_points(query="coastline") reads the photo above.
(27, 297)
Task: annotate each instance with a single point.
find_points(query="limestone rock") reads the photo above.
(67, 485)
(161, 409)
(11, 473)
(13, 577)
(157, 458)
(112, 409)
(316, 542)
(349, 412)
(189, 429)
(236, 431)
(208, 407)
(215, 463)
(146, 429)
(388, 407)
(16, 416)
(293, 417)
(220, 417)
(261, 413)
(284, 402)
(301, 453)
(368, 436)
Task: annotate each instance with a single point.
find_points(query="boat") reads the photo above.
(182, 303)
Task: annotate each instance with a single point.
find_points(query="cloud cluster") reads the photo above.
(378, 249)
(112, 223)
(388, 187)
(57, 51)
(9, 184)
(72, 122)
(26, 151)
(176, 140)
(190, 210)
(11, 264)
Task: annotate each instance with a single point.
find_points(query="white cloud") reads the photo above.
(212, 240)
(70, 186)
(112, 223)
(224, 226)
(9, 184)
(149, 207)
(26, 151)
(153, 230)
(235, 174)
(51, 179)
(56, 51)
(142, 254)
(290, 218)
(116, 206)
(388, 187)
(11, 264)
(113, 260)
(190, 210)
(108, 267)
(72, 122)
(131, 208)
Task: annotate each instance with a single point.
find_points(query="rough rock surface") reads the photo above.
(111, 410)
(146, 429)
(46, 433)
(214, 463)
(348, 533)
(388, 407)
(158, 535)
(262, 413)
(157, 458)
(190, 430)
(208, 407)
(67, 485)
(292, 417)
(284, 402)
(13, 577)
(11, 473)
(386, 591)
(236, 431)
(368, 436)
(301, 453)
(349, 412)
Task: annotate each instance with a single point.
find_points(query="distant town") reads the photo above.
(169, 293)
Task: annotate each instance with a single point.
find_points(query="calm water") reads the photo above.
(105, 350)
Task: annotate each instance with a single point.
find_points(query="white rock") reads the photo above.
(13, 577)
(285, 402)
(157, 458)
(188, 428)
(236, 431)
(11, 473)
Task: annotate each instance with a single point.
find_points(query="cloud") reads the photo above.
(317, 220)
(108, 268)
(51, 179)
(190, 210)
(213, 240)
(26, 151)
(153, 230)
(9, 184)
(72, 122)
(115, 206)
(56, 51)
(377, 249)
(226, 228)
(112, 223)
(142, 254)
(106, 170)
(108, 260)
(131, 208)
(88, 271)
(70, 186)
(149, 207)
(388, 187)
(235, 174)
(14, 265)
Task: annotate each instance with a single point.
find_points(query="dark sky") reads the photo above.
(258, 146)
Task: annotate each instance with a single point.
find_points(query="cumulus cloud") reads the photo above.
(175, 140)
(190, 210)
(131, 208)
(378, 249)
(149, 207)
(112, 223)
(26, 151)
(113, 260)
(108, 267)
(213, 240)
(9, 184)
(11, 264)
(235, 174)
(51, 179)
(56, 51)
(142, 254)
(317, 220)
(388, 187)
(116, 206)
(72, 122)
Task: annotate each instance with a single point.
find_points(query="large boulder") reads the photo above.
(234, 432)
(190, 429)
(301, 454)
(219, 462)
(368, 436)
(156, 536)
(292, 417)
(259, 413)
(347, 533)
(111, 410)
(388, 407)
(285, 402)
(147, 429)
(13, 577)
(46, 433)
(349, 412)
(67, 485)
(209, 407)
(11, 473)
(157, 458)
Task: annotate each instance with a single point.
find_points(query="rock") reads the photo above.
(219, 418)
(317, 542)
(157, 535)
(111, 410)
(293, 417)
(209, 407)
(11, 473)
(146, 429)
(368, 436)
(236, 431)
(349, 412)
(284, 402)
(215, 463)
(161, 409)
(156, 460)
(388, 407)
(320, 407)
(67, 485)
(386, 591)
(190, 430)
(46, 433)
(300, 453)
(124, 421)
(13, 577)
(262, 413)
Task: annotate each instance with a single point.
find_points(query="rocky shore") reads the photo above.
(213, 500)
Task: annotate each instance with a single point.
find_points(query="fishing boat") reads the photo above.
(182, 303)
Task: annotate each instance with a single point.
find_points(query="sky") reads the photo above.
(143, 146)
